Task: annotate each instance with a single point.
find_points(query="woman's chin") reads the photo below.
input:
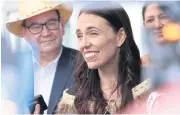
(92, 65)
(161, 40)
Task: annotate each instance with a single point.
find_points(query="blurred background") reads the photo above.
(16, 59)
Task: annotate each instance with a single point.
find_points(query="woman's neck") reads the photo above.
(108, 79)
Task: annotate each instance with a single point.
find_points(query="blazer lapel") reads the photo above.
(61, 78)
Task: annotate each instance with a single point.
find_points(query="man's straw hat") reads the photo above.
(29, 8)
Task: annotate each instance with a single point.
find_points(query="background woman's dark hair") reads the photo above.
(169, 8)
(88, 81)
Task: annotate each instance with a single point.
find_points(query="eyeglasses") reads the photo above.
(37, 28)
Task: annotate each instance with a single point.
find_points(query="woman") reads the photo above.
(109, 64)
(157, 16)
(154, 19)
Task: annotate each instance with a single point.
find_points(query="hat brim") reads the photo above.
(15, 27)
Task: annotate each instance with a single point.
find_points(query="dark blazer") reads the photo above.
(24, 89)
(63, 77)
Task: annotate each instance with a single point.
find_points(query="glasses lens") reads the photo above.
(52, 25)
(35, 28)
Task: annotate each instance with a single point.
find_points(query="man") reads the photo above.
(42, 26)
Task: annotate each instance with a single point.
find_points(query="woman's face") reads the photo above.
(155, 18)
(97, 41)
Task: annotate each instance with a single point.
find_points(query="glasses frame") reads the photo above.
(43, 24)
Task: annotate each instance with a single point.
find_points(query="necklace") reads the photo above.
(113, 105)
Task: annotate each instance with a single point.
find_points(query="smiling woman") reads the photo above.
(97, 40)
(108, 65)
(155, 17)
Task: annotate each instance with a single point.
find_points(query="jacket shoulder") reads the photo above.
(70, 50)
(141, 89)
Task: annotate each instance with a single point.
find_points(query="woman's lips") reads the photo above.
(90, 55)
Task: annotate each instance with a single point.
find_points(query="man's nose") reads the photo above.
(45, 31)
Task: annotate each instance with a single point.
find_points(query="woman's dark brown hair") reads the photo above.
(169, 8)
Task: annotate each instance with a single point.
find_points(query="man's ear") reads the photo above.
(24, 32)
(121, 37)
(62, 26)
(63, 29)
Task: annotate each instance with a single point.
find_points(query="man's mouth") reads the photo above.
(46, 41)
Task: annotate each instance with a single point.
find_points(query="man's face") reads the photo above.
(50, 38)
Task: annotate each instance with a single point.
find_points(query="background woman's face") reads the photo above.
(96, 40)
(155, 18)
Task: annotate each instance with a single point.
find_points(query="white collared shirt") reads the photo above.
(43, 78)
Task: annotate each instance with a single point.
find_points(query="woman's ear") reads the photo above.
(121, 37)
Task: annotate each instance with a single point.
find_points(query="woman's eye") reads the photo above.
(93, 33)
(79, 36)
(164, 17)
(150, 20)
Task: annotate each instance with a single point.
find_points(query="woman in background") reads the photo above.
(155, 17)
(164, 54)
